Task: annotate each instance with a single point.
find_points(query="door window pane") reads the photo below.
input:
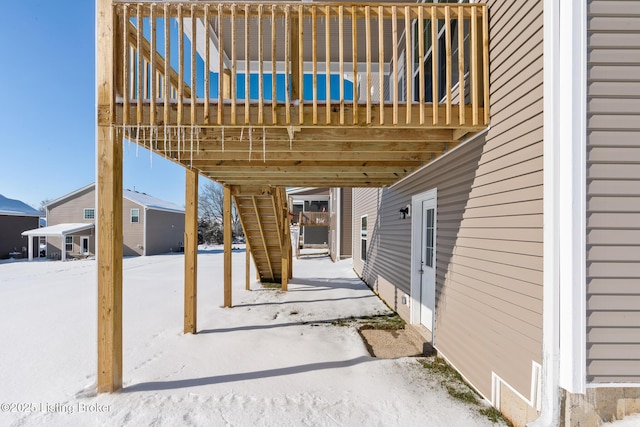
(429, 237)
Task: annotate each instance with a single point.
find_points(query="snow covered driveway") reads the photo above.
(275, 359)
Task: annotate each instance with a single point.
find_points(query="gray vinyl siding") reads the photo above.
(613, 191)
(489, 220)
(365, 202)
(11, 238)
(165, 231)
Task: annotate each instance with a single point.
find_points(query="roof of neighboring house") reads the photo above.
(302, 191)
(16, 208)
(58, 229)
(151, 202)
(142, 199)
(69, 195)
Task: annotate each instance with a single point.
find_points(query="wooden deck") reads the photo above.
(352, 103)
(263, 96)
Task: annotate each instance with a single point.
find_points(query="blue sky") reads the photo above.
(47, 113)
(47, 117)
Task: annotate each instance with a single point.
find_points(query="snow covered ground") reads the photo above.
(274, 359)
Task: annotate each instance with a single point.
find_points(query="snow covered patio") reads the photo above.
(273, 359)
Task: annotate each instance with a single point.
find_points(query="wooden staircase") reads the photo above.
(265, 219)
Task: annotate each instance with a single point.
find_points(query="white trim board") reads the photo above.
(534, 401)
(570, 185)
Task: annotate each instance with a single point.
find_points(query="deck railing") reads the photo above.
(301, 64)
(314, 219)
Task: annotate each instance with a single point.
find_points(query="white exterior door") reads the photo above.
(423, 259)
(427, 263)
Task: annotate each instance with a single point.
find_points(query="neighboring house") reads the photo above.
(15, 217)
(311, 200)
(150, 226)
(520, 247)
(330, 206)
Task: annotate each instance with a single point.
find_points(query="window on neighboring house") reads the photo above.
(89, 213)
(363, 238)
(135, 215)
(68, 246)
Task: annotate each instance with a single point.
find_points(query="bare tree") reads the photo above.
(211, 202)
(211, 207)
(43, 207)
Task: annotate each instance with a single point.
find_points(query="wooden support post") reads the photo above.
(290, 261)
(227, 236)
(248, 263)
(109, 237)
(285, 271)
(109, 209)
(191, 253)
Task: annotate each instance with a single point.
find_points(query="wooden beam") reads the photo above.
(306, 121)
(191, 253)
(247, 261)
(147, 53)
(318, 171)
(286, 239)
(109, 209)
(319, 139)
(214, 159)
(227, 237)
(262, 234)
(285, 271)
(312, 182)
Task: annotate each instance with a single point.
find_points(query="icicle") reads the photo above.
(124, 135)
(250, 141)
(179, 135)
(223, 139)
(264, 145)
(191, 148)
(166, 130)
(241, 133)
(138, 139)
(184, 139)
(198, 130)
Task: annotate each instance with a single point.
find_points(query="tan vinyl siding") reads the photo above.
(71, 210)
(343, 223)
(613, 191)
(165, 231)
(489, 220)
(132, 233)
(346, 207)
